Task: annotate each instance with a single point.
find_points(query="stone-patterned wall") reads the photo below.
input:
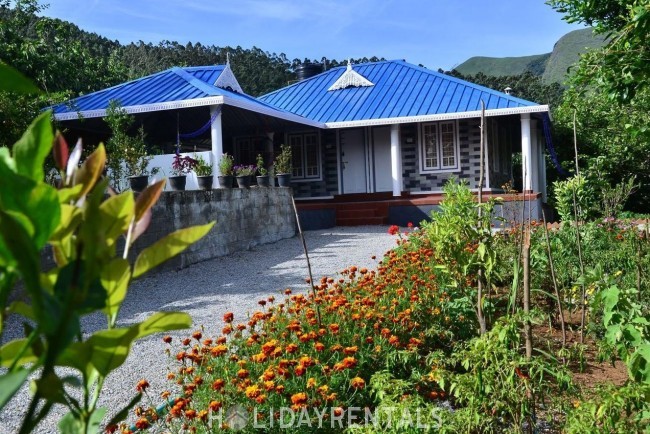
(245, 218)
(329, 185)
(469, 137)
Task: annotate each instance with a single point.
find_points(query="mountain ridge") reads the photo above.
(552, 67)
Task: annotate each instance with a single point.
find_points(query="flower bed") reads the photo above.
(316, 351)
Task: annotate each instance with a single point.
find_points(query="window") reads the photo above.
(439, 146)
(305, 153)
(247, 148)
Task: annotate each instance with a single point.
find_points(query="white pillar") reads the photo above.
(396, 160)
(534, 156)
(542, 164)
(526, 152)
(217, 141)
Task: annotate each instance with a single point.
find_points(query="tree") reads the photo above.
(622, 67)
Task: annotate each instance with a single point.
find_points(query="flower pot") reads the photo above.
(263, 181)
(284, 180)
(244, 181)
(177, 183)
(205, 182)
(138, 183)
(225, 181)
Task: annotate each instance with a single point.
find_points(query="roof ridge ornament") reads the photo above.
(350, 78)
(227, 79)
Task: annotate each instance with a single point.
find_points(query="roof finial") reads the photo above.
(228, 58)
(349, 64)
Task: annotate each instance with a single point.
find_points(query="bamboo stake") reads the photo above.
(479, 302)
(528, 332)
(557, 291)
(583, 294)
(304, 247)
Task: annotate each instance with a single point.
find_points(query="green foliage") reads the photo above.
(82, 225)
(621, 410)
(620, 68)
(574, 191)
(493, 383)
(283, 161)
(202, 167)
(613, 140)
(128, 155)
(226, 164)
(261, 169)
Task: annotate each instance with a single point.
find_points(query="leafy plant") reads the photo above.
(182, 165)
(261, 168)
(564, 194)
(202, 167)
(83, 225)
(226, 164)
(127, 155)
(245, 170)
(283, 161)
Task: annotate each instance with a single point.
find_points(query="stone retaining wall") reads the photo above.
(245, 218)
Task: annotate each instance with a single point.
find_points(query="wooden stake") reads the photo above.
(304, 247)
(557, 291)
(479, 301)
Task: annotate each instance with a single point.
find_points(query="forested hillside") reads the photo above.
(66, 61)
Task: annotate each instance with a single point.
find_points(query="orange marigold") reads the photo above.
(215, 405)
(218, 384)
(299, 398)
(318, 346)
(228, 317)
(242, 373)
(358, 383)
(142, 385)
(167, 339)
(142, 423)
(218, 350)
(334, 328)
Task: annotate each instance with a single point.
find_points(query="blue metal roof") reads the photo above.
(400, 90)
(174, 84)
(173, 88)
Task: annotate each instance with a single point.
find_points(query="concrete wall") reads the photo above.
(245, 218)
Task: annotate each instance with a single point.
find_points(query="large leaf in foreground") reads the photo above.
(111, 347)
(10, 383)
(168, 247)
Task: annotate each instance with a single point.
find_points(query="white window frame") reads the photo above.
(440, 168)
(304, 177)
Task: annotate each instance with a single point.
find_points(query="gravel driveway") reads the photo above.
(206, 291)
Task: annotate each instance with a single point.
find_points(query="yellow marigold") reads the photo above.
(358, 383)
(242, 373)
(311, 383)
(269, 385)
(253, 391)
(350, 350)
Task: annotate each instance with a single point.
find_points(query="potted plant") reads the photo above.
(243, 173)
(226, 175)
(181, 166)
(203, 170)
(283, 166)
(127, 156)
(263, 177)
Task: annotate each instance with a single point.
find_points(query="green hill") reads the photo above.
(551, 66)
(504, 66)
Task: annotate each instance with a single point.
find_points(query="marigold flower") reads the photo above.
(253, 391)
(142, 386)
(110, 429)
(218, 350)
(142, 423)
(300, 370)
(334, 328)
(349, 362)
(318, 346)
(358, 383)
(215, 405)
(393, 229)
(190, 413)
(269, 385)
(186, 341)
(350, 350)
(242, 373)
(227, 330)
(228, 317)
(197, 335)
(311, 383)
(218, 384)
(299, 398)
(167, 339)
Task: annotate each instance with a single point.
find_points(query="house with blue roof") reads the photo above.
(383, 137)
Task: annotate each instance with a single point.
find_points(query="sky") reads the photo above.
(434, 33)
